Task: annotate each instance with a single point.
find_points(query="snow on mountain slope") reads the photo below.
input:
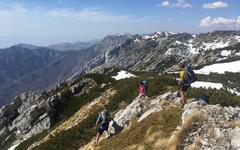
(218, 86)
(202, 84)
(123, 75)
(220, 68)
(216, 44)
(226, 53)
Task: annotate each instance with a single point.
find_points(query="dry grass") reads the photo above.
(142, 136)
(195, 145)
(174, 142)
(77, 117)
(233, 124)
(156, 132)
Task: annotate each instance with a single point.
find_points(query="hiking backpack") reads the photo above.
(105, 116)
(190, 75)
(145, 83)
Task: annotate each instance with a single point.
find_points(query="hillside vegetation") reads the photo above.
(138, 134)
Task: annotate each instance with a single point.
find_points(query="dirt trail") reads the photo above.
(78, 116)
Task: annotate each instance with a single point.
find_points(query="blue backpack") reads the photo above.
(190, 75)
(145, 83)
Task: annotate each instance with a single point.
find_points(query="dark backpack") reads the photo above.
(190, 75)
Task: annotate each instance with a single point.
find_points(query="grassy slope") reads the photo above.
(71, 105)
(127, 91)
(141, 134)
(85, 131)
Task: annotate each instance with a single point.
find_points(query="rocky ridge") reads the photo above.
(33, 112)
(203, 126)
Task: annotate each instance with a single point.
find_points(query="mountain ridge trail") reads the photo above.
(78, 116)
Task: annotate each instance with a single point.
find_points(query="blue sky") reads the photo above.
(43, 22)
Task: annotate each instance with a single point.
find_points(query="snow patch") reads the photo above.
(220, 68)
(226, 53)
(220, 59)
(191, 47)
(178, 42)
(237, 37)
(234, 92)
(201, 84)
(215, 45)
(173, 33)
(122, 75)
(136, 40)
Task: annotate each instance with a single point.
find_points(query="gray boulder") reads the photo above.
(82, 86)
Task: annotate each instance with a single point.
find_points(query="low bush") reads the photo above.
(222, 96)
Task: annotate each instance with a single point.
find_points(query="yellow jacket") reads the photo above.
(182, 74)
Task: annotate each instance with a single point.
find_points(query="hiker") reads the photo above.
(102, 122)
(182, 86)
(187, 77)
(142, 90)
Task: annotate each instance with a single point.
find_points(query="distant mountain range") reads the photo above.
(67, 46)
(27, 67)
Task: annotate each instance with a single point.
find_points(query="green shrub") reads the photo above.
(222, 97)
(98, 78)
(72, 104)
(127, 90)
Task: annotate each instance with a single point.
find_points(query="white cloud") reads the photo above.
(166, 3)
(179, 4)
(87, 15)
(169, 19)
(220, 21)
(215, 5)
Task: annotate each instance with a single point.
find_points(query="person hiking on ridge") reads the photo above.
(183, 87)
(102, 122)
(142, 90)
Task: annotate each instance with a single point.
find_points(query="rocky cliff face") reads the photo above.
(162, 50)
(33, 112)
(217, 130)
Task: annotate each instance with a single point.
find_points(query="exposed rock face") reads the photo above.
(83, 86)
(30, 113)
(135, 109)
(163, 50)
(141, 107)
(218, 130)
(215, 132)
